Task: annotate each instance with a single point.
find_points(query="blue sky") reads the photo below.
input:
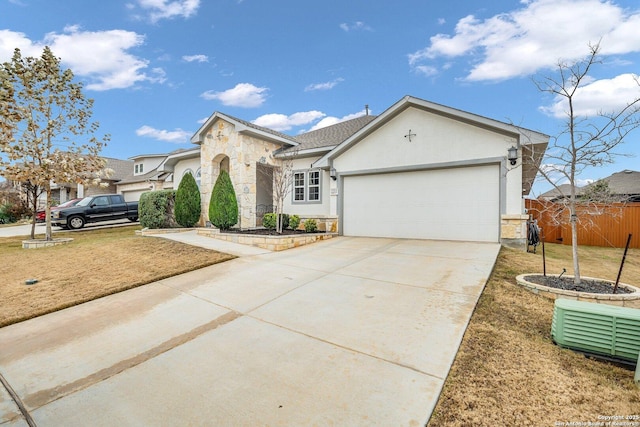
(158, 68)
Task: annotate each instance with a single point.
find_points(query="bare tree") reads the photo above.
(282, 184)
(584, 141)
(43, 117)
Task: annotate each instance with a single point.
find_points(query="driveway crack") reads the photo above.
(18, 401)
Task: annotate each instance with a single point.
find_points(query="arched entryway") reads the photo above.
(264, 191)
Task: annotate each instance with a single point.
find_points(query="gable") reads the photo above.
(434, 139)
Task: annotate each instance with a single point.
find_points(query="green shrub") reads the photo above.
(294, 222)
(269, 221)
(155, 209)
(223, 207)
(187, 208)
(310, 226)
(285, 220)
(5, 218)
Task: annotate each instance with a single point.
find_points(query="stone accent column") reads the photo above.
(513, 230)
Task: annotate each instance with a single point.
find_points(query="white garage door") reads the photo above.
(133, 196)
(444, 204)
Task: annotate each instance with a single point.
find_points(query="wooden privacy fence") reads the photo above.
(599, 225)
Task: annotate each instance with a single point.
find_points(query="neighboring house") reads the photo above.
(159, 171)
(418, 170)
(624, 186)
(61, 193)
(559, 193)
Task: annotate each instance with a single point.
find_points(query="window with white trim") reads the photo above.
(298, 187)
(306, 186)
(198, 177)
(313, 189)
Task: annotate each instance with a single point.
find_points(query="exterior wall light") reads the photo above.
(513, 155)
(333, 174)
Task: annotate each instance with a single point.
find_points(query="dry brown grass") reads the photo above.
(509, 373)
(95, 264)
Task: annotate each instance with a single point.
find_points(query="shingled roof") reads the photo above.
(331, 136)
(121, 168)
(625, 183)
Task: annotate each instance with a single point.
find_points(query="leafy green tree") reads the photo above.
(46, 132)
(187, 207)
(223, 207)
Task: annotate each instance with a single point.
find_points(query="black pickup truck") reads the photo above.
(104, 207)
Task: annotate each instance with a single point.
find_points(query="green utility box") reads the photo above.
(597, 328)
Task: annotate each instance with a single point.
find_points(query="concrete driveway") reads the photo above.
(348, 331)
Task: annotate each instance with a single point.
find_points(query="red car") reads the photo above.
(67, 204)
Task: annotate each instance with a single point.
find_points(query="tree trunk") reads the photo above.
(33, 225)
(47, 211)
(33, 201)
(574, 246)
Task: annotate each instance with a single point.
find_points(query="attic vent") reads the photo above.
(597, 328)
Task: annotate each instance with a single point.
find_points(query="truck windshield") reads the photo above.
(85, 201)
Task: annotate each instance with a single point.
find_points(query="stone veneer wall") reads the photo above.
(244, 153)
(513, 230)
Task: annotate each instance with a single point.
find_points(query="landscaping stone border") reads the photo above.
(37, 244)
(272, 243)
(622, 300)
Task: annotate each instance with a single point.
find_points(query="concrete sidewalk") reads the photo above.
(349, 331)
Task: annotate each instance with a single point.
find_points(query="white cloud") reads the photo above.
(282, 122)
(523, 41)
(165, 9)
(356, 26)
(196, 58)
(328, 121)
(99, 57)
(323, 86)
(177, 136)
(599, 96)
(242, 95)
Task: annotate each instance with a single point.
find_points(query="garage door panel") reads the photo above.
(447, 204)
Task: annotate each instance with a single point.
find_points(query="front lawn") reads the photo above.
(95, 264)
(509, 373)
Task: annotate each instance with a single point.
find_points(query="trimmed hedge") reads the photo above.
(223, 207)
(269, 221)
(155, 209)
(310, 226)
(188, 206)
(294, 222)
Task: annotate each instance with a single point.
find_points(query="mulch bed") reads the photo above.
(586, 285)
(265, 232)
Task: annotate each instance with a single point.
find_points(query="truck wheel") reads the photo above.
(75, 222)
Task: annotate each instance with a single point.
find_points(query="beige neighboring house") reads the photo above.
(151, 172)
(418, 170)
(62, 192)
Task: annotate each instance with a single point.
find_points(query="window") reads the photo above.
(135, 168)
(198, 178)
(298, 186)
(101, 201)
(141, 165)
(314, 186)
(306, 186)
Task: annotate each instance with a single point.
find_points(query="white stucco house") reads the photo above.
(418, 170)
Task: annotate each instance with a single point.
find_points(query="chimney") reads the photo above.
(366, 109)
